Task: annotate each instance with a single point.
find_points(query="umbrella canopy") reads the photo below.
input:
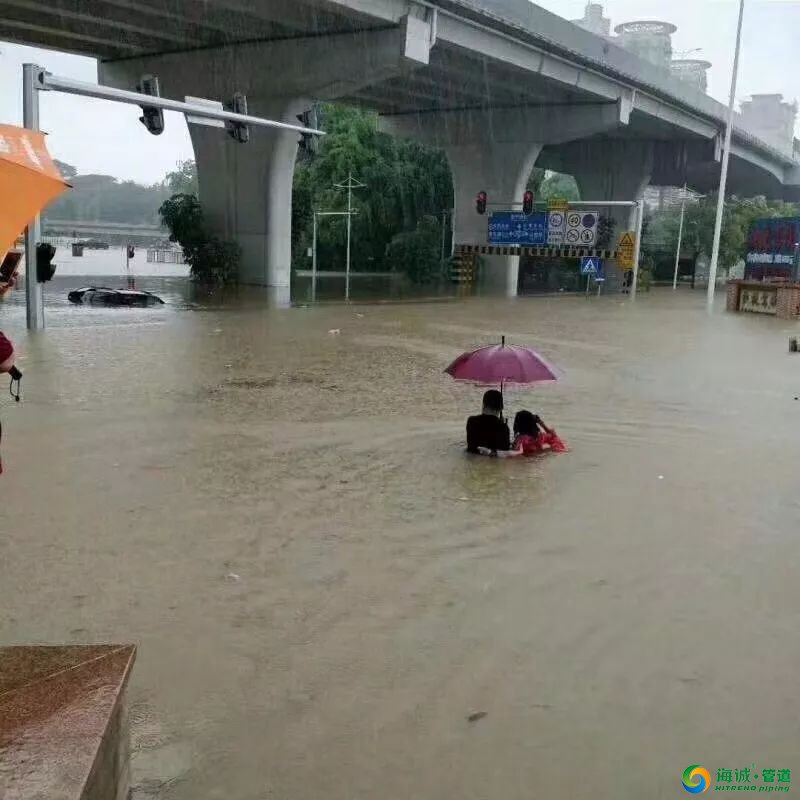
(29, 180)
(501, 364)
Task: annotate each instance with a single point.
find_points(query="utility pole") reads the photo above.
(351, 184)
(723, 178)
(680, 240)
(444, 231)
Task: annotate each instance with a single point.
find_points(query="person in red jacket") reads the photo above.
(532, 436)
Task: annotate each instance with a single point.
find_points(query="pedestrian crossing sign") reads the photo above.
(590, 265)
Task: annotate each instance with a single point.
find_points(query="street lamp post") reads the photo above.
(723, 179)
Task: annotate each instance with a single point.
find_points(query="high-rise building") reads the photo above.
(693, 71)
(594, 21)
(769, 118)
(649, 39)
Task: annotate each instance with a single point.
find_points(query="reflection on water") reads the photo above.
(324, 587)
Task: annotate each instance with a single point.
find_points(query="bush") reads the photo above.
(417, 253)
(211, 260)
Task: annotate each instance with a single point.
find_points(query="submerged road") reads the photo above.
(324, 588)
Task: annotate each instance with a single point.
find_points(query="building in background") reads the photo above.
(658, 198)
(594, 21)
(769, 118)
(693, 71)
(649, 39)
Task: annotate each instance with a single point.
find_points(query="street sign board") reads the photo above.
(556, 226)
(514, 227)
(202, 101)
(590, 265)
(625, 250)
(773, 246)
(581, 228)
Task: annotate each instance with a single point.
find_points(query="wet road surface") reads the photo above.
(332, 601)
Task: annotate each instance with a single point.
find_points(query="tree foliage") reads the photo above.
(183, 179)
(417, 253)
(211, 260)
(104, 198)
(405, 183)
(698, 227)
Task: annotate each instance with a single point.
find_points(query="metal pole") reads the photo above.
(34, 300)
(723, 178)
(680, 241)
(57, 83)
(637, 247)
(314, 260)
(444, 232)
(349, 229)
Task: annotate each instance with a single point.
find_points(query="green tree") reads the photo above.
(417, 253)
(698, 229)
(183, 179)
(211, 260)
(556, 185)
(405, 182)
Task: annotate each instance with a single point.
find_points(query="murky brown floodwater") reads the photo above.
(615, 626)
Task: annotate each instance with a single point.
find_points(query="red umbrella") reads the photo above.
(503, 363)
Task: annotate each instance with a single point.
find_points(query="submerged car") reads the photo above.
(103, 296)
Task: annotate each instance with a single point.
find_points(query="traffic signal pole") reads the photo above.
(36, 79)
(34, 299)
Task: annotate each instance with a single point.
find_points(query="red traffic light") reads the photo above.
(527, 203)
(480, 202)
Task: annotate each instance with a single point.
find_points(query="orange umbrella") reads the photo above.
(29, 180)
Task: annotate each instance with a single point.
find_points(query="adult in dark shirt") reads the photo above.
(489, 430)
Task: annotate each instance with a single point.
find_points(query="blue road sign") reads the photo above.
(591, 266)
(514, 227)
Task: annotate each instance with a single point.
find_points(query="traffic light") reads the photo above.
(309, 143)
(480, 202)
(527, 203)
(238, 130)
(44, 256)
(131, 251)
(152, 118)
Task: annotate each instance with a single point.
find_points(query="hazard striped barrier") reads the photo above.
(542, 252)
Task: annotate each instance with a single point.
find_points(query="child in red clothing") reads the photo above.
(532, 436)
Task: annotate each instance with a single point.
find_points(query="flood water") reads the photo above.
(323, 587)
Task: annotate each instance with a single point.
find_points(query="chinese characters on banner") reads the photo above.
(773, 246)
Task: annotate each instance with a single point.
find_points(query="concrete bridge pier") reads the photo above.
(494, 151)
(246, 189)
(503, 173)
(623, 173)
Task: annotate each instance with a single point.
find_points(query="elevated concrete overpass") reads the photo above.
(501, 86)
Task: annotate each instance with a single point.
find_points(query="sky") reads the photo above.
(102, 137)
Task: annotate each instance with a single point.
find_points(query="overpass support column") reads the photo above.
(246, 191)
(621, 171)
(494, 150)
(501, 172)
